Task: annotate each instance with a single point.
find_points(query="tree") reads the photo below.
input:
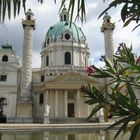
(124, 76)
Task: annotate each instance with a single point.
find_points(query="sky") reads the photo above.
(47, 14)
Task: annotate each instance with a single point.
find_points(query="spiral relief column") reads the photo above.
(107, 28)
(26, 75)
(25, 101)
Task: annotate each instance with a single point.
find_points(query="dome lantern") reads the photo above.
(64, 16)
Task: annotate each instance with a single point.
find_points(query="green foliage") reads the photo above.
(123, 76)
(7, 5)
(130, 10)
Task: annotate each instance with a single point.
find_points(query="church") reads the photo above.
(26, 91)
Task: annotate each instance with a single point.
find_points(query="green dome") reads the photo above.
(8, 46)
(57, 32)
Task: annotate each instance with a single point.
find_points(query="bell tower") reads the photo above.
(107, 28)
(25, 102)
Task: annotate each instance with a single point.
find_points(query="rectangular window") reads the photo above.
(41, 99)
(42, 78)
(3, 77)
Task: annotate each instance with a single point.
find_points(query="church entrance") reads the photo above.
(70, 109)
(3, 102)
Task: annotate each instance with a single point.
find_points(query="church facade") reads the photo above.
(64, 57)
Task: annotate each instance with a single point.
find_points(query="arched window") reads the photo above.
(65, 17)
(67, 58)
(108, 20)
(47, 60)
(29, 17)
(5, 58)
(41, 99)
(48, 41)
(61, 18)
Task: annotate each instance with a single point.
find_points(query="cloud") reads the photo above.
(47, 14)
(36, 60)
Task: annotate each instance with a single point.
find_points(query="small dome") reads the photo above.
(63, 30)
(8, 47)
(29, 12)
(106, 16)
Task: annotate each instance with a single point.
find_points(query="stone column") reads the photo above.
(43, 61)
(56, 137)
(66, 103)
(107, 28)
(66, 137)
(78, 104)
(46, 108)
(24, 103)
(26, 74)
(56, 103)
(46, 98)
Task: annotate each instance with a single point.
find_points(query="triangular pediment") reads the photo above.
(70, 79)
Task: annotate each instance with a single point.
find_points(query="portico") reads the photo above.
(63, 95)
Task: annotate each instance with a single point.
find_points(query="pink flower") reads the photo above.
(90, 70)
(138, 60)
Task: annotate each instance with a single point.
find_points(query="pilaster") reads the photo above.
(66, 103)
(56, 103)
(78, 103)
(46, 101)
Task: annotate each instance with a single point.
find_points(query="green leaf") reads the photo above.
(4, 9)
(109, 65)
(23, 4)
(134, 132)
(18, 6)
(131, 93)
(95, 110)
(119, 122)
(123, 127)
(124, 12)
(9, 8)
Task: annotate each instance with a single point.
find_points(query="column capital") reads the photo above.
(30, 23)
